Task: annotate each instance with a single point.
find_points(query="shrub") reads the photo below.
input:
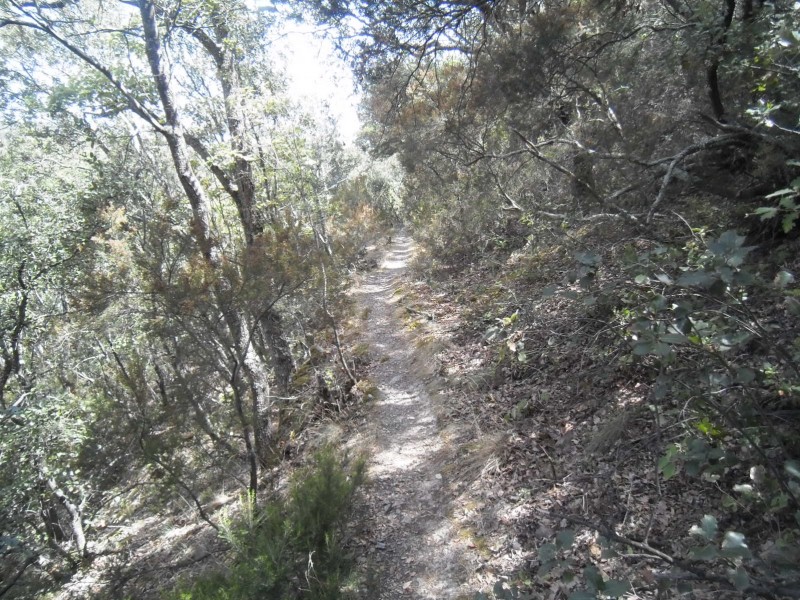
(290, 548)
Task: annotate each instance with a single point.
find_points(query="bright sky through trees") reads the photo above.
(318, 77)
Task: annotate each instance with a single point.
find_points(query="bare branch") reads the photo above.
(534, 150)
(693, 149)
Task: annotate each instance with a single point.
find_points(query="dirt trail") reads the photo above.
(412, 548)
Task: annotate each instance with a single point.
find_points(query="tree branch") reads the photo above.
(693, 149)
(222, 177)
(534, 149)
(135, 105)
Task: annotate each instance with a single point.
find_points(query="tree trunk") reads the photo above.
(76, 518)
(174, 134)
(52, 525)
(252, 222)
(230, 79)
(583, 185)
(243, 194)
(250, 365)
(712, 73)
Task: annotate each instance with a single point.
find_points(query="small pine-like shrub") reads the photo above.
(290, 548)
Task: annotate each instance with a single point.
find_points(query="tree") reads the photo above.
(44, 237)
(149, 277)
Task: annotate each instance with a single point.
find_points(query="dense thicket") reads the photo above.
(586, 108)
(174, 233)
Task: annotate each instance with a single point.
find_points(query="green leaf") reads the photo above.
(693, 467)
(549, 291)
(792, 467)
(779, 502)
(664, 278)
(661, 349)
(783, 278)
(766, 212)
(593, 577)
(787, 223)
(565, 538)
(641, 279)
(708, 527)
(734, 546)
(667, 467)
(727, 242)
(583, 595)
(707, 552)
(545, 568)
(547, 552)
(783, 192)
(590, 259)
(792, 306)
(745, 375)
(616, 587)
(741, 580)
(698, 278)
(674, 338)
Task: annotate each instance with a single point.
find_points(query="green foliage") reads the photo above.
(691, 317)
(787, 210)
(501, 592)
(46, 409)
(290, 548)
(702, 316)
(557, 562)
(506, 331)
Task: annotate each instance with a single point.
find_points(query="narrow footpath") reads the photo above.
(410, 543)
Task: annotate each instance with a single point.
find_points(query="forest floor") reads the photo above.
(479, 460)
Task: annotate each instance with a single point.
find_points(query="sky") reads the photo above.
(318, 76)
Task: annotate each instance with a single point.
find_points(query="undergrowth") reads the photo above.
(661, 374)
(291, 548)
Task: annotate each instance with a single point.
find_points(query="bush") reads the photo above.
(291, 548)
(711, 332)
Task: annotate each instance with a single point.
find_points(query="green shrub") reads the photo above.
(290, 548)
(703, 324)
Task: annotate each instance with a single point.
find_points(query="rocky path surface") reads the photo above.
(411, 547)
